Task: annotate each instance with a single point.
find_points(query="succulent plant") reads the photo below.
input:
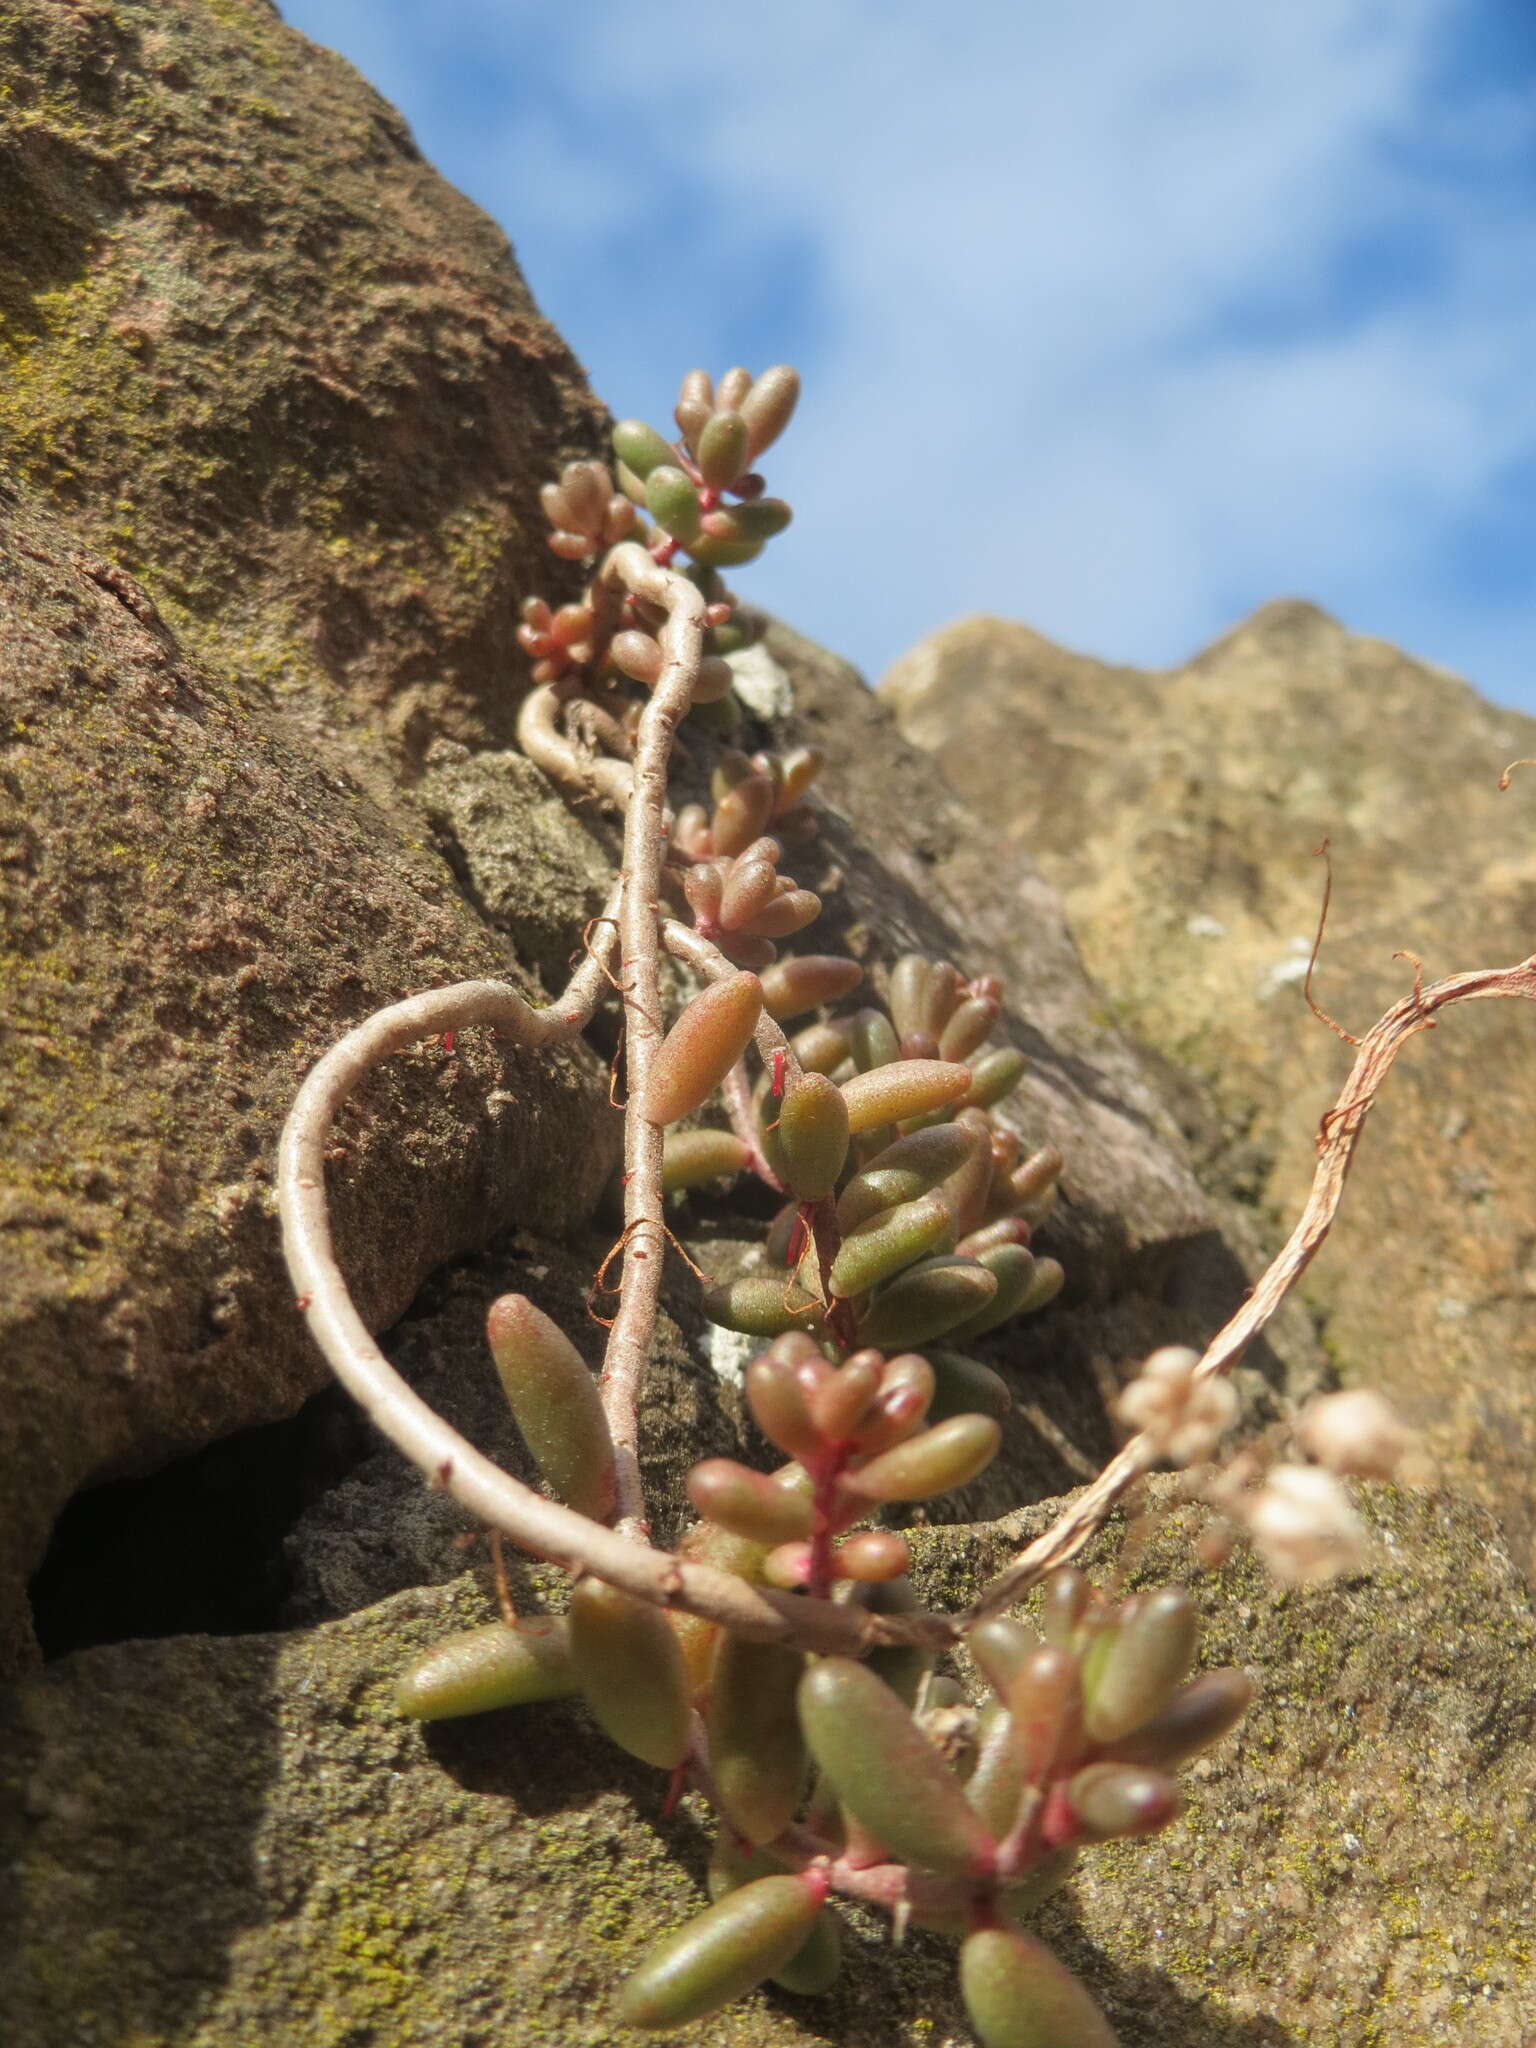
(777, 1661)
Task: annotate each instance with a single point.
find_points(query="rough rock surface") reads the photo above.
(270, 363)
(193, 907)
(1178, 814)
(209, 1843)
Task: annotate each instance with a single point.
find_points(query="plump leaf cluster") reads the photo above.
(911, 1211)
(821, 1763)
(698, 496)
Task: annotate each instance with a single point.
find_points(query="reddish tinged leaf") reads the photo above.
(795, 773)
(839, 1403)
(791, 987)
(1006, 1230)
(778, 1405)
(767, 407)
(787, 913)
(1045, 1704)
(901, 1405)
(750, 884)
(968, 1027)
(872, 1557)
(996, 1785)
(1066, 1598)
(638, 655)
(1198, 1715)
(709, 1037)
(752, 1504)
(1001, 1647)
(740, 815)
(939, 1460)
(1038, 1175)
(902, 1089)
(1113, 1801)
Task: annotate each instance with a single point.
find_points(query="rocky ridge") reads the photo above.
(1179, 815)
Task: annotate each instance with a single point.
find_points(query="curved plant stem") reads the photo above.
(580, 770)
(491, 1495)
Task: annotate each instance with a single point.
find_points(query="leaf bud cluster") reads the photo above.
(585, 511)
(860, 1437)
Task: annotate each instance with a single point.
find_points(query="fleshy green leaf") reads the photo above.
(1198, 1715)
(1146, 1659)
(928, 1300)
(487, 1668)
(555, 1403)
(964, 1386)
(640, 448)
(813, 1137)
(737, 1942)
(1020, 1996)
(1015, 1270)
(631, 1671)
(889, 1242)
(887, 1773)
(690, 1158)
(904, 1088)
(756, 1750)
(907, 1168)
(672, 502)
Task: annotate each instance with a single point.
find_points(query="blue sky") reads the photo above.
(1114, 317)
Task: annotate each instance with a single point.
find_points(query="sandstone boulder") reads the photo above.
(1178, 814)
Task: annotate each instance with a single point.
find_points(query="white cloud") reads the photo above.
(1089, 337)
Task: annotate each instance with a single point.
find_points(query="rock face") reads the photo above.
(1178, 815)
(256, 358)
(273, 404)
(268, 362)
(194, 906)
(240, 1840)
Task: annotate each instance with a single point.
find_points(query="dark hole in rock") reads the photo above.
(197, 1547)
